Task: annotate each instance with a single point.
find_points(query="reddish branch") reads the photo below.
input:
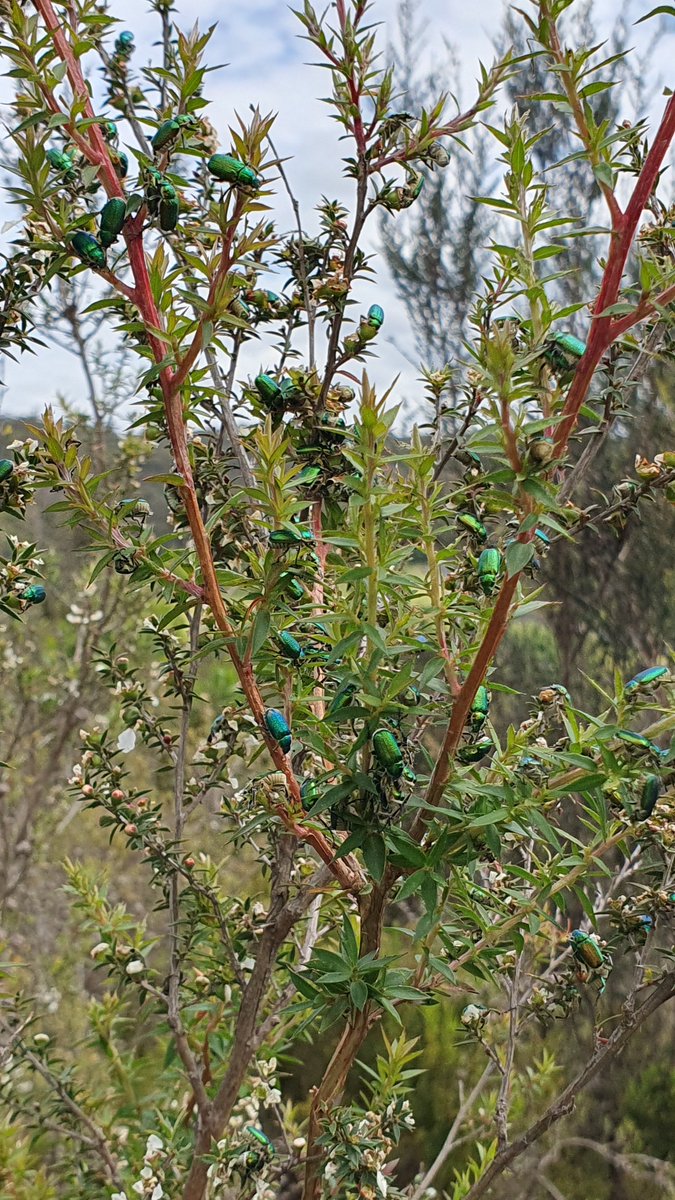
(94, 147)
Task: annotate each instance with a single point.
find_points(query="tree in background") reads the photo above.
(318, 835)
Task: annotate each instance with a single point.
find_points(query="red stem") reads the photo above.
(346, 870)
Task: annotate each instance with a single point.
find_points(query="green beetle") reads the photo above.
(473, 753)
(308, 476)
(542, 539)
(480, 708)
(651, 790)
(6, 469)
(388, 752)
(292, 585)
(229, 169)
(216, 728)
(375, 316)
(63, 162)
(111, 219)
(168, 213)
(586, 949)
(89, 250)
(341, 700)
(638, 740)
(124, 44)
(475, 527)
(290, 646)
(109, 131)
(562, 351)
(269, 391)
(34, 594)
(309, 792)
(398, 198)
(489, 568)
(277, 726)
(120, 162)
(170, 130)
(646, 680)
(283, 538)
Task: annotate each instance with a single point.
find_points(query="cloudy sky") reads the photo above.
(268, 66)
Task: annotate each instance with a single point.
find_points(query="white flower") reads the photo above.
(381, 1183)
(139, 1187)
(99, 948)
(153, 1146)
(126, 741)
(119, 1196)
(135, 967)
(157, 1192)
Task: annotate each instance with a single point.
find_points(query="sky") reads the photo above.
(268, 66)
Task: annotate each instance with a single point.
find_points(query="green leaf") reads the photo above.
(374, 855)
(518, 555)
(665, 10)
(348, 941)
(359, 994)
(261, 628)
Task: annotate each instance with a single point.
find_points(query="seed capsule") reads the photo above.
(279, 729)
(290, 647)
(473, 753)
(281, 538)
(586, 949)
(35, 594)
(651, 790)
(489, 567)
(231, 170)
(269, 391)
(480, 708)
(475, 527)
(6, 469)
(61, 162)
(111, 220)
(541, 450)
(388, 752)
(646, 679)
(88, 249)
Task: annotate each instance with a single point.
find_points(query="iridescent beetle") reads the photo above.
(111, 221)
(562, 352)
(341, 700)
(170, 130)
(162, 200)
(489, 568)
(475, 527)
(120, 162)
(388, 752)
(476, 751)
(216, 728)
(586, 949)
(292, 585)
(480, 708)
(651, 790)
(34, 594)
(646, 680)
(375, 315)
(278, 727)
(124, 44)
(255, 1160)
(282, 539)
(63, 162)
(228, 169)
(89, 250)
(6, 469)
(638, 741)
(290, 646)
(309, 792)
(269, 391)
(394, 199)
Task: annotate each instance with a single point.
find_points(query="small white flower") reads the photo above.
(139, 1188)
(119, 1196)
(153, 1145)
(41, 1039)
(135, 967)
(381, 1183)
(126, 741)
(157, 1192)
